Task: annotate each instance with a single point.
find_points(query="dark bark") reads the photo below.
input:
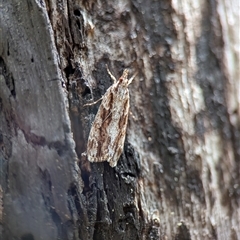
(178, 177)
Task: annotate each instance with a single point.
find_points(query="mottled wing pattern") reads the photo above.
(107, 135)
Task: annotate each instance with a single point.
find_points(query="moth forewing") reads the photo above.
(121, 126)
(107, 135)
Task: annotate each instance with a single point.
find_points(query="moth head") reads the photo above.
(123, 80)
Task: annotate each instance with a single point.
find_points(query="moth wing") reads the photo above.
(107, 135)
(118, 137)
(99, 137)
(118, 143)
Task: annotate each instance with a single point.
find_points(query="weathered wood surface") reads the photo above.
(178, 177)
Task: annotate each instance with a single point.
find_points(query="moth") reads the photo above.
(108, 131)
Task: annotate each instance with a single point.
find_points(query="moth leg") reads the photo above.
(93, 103)
(110, 74)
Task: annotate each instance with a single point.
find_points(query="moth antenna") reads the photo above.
(110, 74)
(131, 79)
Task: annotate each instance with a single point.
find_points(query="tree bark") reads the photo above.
(179, 174)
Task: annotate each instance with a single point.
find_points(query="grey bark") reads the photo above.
(179, 174)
